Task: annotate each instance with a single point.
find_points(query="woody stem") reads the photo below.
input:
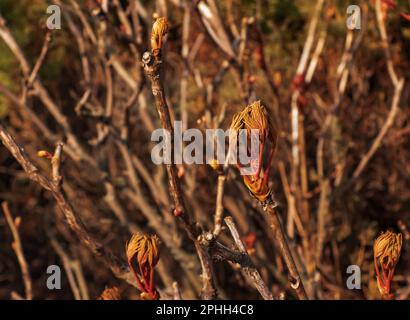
(283, 245)
(152, 67)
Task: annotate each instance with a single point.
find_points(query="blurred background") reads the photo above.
(347, 182)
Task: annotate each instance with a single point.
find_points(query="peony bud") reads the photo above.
(159, 30)
(143, 255)
(254, 117)
(386, 249)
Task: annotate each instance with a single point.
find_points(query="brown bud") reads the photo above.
(144, 248)
(44, 154)
(159, 30)
(258, 188)
(254, 117)
(386, 250)
(277, 78)
(110, 294)
(17, 221)
(177, 212)
(215, 165)
(143, 254)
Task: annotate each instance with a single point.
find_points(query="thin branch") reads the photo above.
(18, 249)
(219, 205)
(176, 292)
(383, 131)
(251, 272)
(398, 86)
(74, 221)
(40, 59)
(280, 237)
(152, 67)
(67, 266)
(300, 73)
(56, 166)
(78, 271)
(212, 22)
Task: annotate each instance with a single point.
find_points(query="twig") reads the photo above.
(177, 293)
(40, 59)
(383, 131)
(298, 178)
(18, 249)
(43, 94)
(398, 86)
(279, 235)
(74, 221)
(152, 67)
(385, 43)
(212, 22)
(56, 165)
(300, 73)
(185, 72)
(315, 57)
(67, 266)
(15, 296)
(250, 271)
(219, 205)
(78, 271)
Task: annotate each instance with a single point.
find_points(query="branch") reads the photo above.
(40, 59)
(67, 266)
(398, 86)
(279, 235)
(252, 274)
(176, 292)
(212, 22)
(152, 67)
(219, 205)
(300, 72)
(383, 131)
(74, 221)
(56, 166)
(18, 249)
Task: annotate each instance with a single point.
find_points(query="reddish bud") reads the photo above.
(45, 154)
(177, 212)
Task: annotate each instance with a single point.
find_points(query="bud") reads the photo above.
(277, 78)
(143, 255)
(159, 30)
(386, 249)
(177, 212)
(110, 294)
(17, 222)
(215, 165)
(330, 13)
(258, 187)
(250, 241)
(45, 154)
(181, 171)
(254, 117)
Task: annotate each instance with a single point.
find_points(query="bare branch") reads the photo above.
(18, 249)
(73, 219)
(251, 272)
